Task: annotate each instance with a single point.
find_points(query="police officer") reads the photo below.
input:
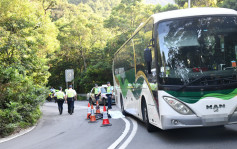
(60, 99)
(70, 96)
(97, 92)
(109, 94)
(66, 90)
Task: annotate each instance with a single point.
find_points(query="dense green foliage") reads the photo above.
(39, 39)
(89, 39)
(101, 7)
(26, 38)
(78, 50)
(229, 4)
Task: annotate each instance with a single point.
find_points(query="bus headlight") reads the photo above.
(178, 106)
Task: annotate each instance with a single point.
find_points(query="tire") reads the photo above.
(150, 127)
(122, 106)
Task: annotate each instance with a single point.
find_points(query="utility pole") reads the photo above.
(189, 3)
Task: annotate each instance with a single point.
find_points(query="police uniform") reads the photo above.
(97, 93)
(60, 99)
(109, 95)
(71, 93)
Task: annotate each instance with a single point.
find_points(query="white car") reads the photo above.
(102, 98)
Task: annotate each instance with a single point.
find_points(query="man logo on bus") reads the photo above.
(215, 107)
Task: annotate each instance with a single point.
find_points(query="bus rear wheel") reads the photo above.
(150, 127)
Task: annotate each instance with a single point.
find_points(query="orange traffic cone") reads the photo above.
(97, 108)
(92, 119)
(105, 118)
(88, 111)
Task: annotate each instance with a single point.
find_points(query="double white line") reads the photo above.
(124, 134)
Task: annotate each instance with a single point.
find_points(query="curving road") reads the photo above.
(66, 131)
(74, 132)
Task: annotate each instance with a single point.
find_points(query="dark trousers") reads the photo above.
(97, 97)
(109, 101)
(60, 105)
(73, 105)
(70, 103)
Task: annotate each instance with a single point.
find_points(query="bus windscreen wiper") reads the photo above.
(185, 85)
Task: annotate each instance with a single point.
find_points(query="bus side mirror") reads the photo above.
(148, 59)
(147, 55)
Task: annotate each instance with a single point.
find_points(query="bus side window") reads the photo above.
(144, 51)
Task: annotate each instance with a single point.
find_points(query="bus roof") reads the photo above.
(204, 11)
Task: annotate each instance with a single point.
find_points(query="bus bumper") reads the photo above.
(185, 121)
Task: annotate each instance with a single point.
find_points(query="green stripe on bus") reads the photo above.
(127, 82)
(193, 97)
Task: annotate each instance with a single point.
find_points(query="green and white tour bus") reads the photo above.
(179, 70)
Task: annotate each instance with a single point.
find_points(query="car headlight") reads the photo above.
(178, 106)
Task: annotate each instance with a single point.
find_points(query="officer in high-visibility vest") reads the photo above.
(109, 94)
(97, 92)
(55, 96)
(60, 99)
(66, 90)
(71, 95)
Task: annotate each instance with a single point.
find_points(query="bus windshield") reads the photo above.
(198, 53)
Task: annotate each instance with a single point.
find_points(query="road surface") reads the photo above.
(66, 131)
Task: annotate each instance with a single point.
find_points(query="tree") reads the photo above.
(229, 4)
(126, 17)
(83, 38)
(197, 3)
(28, 37)
(101, 7)
(169, 7)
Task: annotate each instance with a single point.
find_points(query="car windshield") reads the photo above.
(199, 51)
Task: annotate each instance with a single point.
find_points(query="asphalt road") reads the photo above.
(66, 131)
(188, 138)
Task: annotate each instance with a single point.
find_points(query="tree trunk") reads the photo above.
(84, 59)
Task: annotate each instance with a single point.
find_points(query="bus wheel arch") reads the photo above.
(122, 105)
(145, 116)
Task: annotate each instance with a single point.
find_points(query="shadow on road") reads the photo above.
(200, 134)
(196, 134)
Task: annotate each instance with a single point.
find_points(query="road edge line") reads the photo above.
(133, 133)
(22, 132)
(124, 134)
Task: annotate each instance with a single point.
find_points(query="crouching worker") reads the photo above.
(60, 99)
(97, 92)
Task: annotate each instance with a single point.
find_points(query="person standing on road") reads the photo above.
(66, 90)
(109, 94)
(71, 95)
(52, 90)
(97, 92)
(60, 99)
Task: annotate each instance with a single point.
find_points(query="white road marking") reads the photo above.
(133, 133)
(125, 132)
(17, 135)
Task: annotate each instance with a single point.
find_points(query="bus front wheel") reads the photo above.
(150, 128)
(122, 106)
